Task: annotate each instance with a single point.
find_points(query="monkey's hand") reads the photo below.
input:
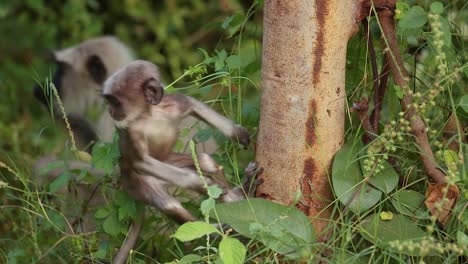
(242, 135)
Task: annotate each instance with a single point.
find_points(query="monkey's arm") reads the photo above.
(222, 123)
(181, 177)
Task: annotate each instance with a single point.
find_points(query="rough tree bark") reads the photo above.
(302, 105)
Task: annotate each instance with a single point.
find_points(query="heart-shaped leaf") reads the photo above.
(382, 232)
(348, 182)
(410, 203)
(283, 229)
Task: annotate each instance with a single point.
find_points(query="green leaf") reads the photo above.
(127, 209)
(227, 21)
(464, 102)
(398, 91)
(59, 182)
(214, 191)
(126, 204)
(232, 251)
(193, 230)
(233, 62)
(386, 180)
(410, 203)
(450, 157)
(219, 61)
(437, 8)
(416, 17)
(207, 205)
(112, 225)
(203, 134)
(402, 9)
(190, 258)
(462, 238)
(105, 156)
(381, 233)
(102, 213)
(446, 34)
(55, 220)
(348, 182)
(205, 89)
(102, 250)
(283, 229)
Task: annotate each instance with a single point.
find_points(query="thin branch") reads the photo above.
(373, 59)
(379, 95)
(401, 79)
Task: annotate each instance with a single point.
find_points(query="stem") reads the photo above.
(400, 77)
(379, 95)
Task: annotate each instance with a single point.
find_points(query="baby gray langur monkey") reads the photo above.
(147, 123)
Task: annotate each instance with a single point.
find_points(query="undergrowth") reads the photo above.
(386, 209)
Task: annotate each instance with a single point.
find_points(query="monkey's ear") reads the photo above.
(96, 69)
(153, 91)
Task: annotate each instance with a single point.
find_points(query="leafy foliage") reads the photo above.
(212, 50)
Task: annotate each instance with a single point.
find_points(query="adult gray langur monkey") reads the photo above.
(80, 73)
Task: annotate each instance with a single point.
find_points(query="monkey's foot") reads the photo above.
(250, 183)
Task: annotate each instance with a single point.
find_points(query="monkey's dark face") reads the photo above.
(67, 73)
(116, 108)
(132, 89)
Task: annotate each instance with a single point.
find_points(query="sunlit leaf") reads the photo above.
(207, 205)
(232, 251)
(193, 230)
(214, 191)
(190, 258)
(386, 215)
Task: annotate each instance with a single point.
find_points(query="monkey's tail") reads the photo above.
(132, 237)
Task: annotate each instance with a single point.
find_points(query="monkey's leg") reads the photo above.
(152, 191)
(182, 177)
(207, 164)
(222, 123)
(131, 239)
(211, 170)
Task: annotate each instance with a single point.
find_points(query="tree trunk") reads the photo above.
(302, 107)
